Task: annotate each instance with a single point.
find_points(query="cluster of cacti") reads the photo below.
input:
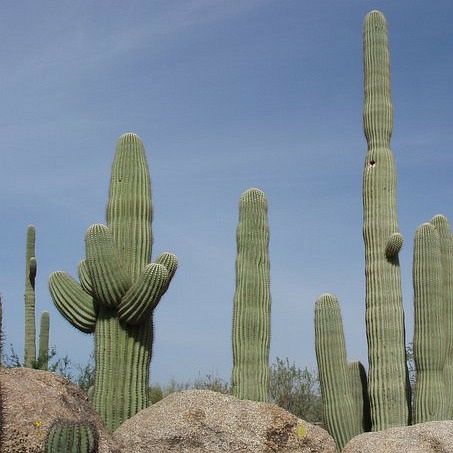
(31, 268)
(71, 436)
(119, 288)
(252, 300)
(384, 400)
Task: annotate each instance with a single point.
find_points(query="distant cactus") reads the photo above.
(387, 375)
(341, 417)
(67, 436)
(119, 288)
(31, 268)
(252, 300)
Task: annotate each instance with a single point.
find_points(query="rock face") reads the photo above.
(431, 437)
(199, 421)
(32, 400)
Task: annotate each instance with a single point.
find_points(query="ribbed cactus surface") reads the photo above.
(387, 377)
(44, 328)
(119, 288)
(359, 388)
(429, 344)
(339, 408)
(30, 277)
(442, 226)
(252, 300)
(66, 436)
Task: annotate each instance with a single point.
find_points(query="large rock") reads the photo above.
(431, 437)
(32, 400)
(199, 421)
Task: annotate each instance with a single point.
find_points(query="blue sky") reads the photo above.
(226, 95)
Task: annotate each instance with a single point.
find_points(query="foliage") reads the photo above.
(295, 390)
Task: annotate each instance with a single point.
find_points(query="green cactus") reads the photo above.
(339, 408)
(30, 278)
(71, 437)
(387, 377)
(119, 288)
(359, 388)
(429, 348)
(440, 222)
(44, 327)
(31, 268)
(252, 300)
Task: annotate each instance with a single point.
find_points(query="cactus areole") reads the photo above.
(387, 377)
(119, 288)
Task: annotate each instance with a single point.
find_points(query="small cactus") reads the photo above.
(67, 436)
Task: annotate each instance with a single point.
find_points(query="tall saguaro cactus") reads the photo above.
(341, 416)
(30, 278)
(252, 300)
(31, 268)
(119, 288)
(387, 378)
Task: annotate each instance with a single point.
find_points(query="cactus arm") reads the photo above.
(144, 295)
(43, 357)
(84, 277)
(394, 245)
(171, 264)
(72, 302)
(30, 276)
(108, 278)
(387, 377)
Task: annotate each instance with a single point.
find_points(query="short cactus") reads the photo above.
(71, 437)
(340, 415)
(252, 300)
(359, 388)
(119, 288)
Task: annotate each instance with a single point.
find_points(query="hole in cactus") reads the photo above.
(372, 163)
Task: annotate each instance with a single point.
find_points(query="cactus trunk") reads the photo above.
(30, 276)
(252, 300)
(387, 377)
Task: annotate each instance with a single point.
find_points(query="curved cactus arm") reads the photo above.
(108, 278)
(144, 294)
(170, 262)
(72, 301)
(84, 277)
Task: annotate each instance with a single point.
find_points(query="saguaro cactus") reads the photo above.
(30, 278)
(119, 288)
(342, 419)
(252, 300)
(71, 437)
(360, 397)
(31, 268)
(387, 377)
(429, 347)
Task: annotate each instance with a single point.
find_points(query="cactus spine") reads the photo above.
(71, 437)
(387, 379)
(31, 268)
(119, 288)
(342, 420)
(252, 300)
